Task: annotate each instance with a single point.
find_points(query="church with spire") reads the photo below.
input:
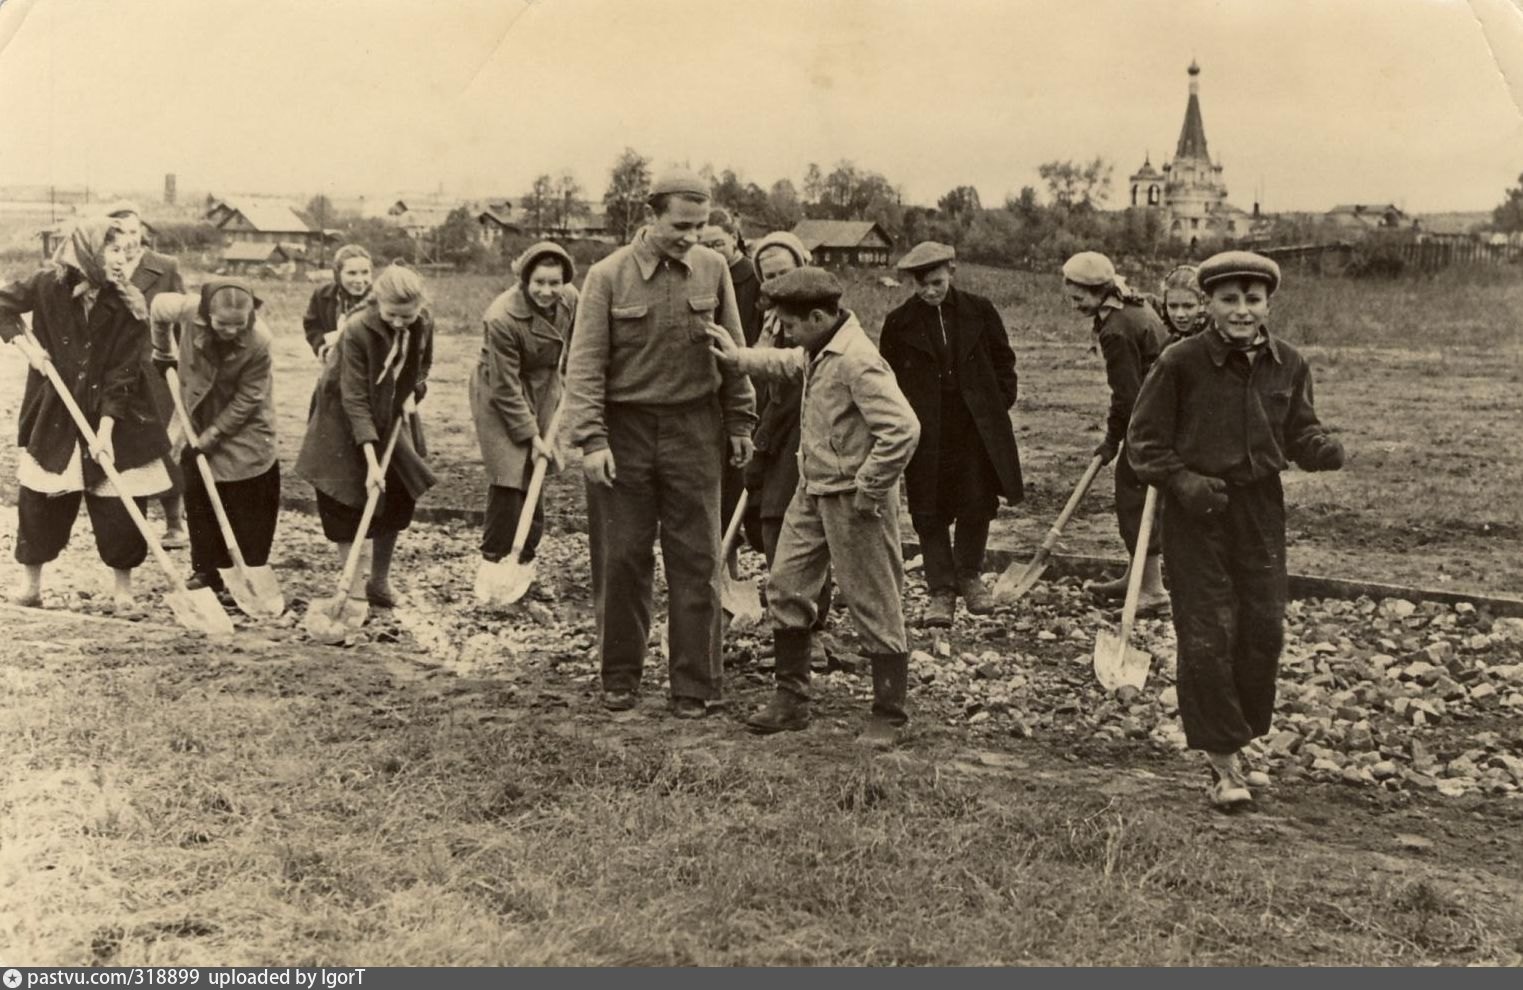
(1189, 192)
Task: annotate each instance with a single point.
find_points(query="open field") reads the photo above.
(449, 791)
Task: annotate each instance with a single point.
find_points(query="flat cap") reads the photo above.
(680, 180)
(804, 287)
(1089, 268)
(927, 254)
(1239, 264)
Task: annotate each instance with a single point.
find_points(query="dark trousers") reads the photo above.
(947, 562)
(1131, 493)
(771, 530)
(504, 508)
(1228, 587)
(392, 515)
(668, 461)
(44, 523)
(252, 506)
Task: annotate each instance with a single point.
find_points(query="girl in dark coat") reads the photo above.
(330, 303)
(91, 322)
(379, 371)
(952, 357)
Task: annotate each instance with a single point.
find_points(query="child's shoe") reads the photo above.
(1108, 589)
(975, 597)
(1229, 789)
(939, 610)
(175, 538)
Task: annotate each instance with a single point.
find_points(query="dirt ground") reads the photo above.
(446, 789)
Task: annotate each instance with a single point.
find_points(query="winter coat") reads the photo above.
(100, 359)
(518, 381)
(325, 311)
(984, 366)
(358, 398)
(1130, 337)
(747, 297)
(156, 273)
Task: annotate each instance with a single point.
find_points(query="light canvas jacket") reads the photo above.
(859, 431)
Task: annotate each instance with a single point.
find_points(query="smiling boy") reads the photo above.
(1220, 416)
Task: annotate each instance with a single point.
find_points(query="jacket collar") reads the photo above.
(647, 257)
(1219, 349)
(843, 336)
(150, 265)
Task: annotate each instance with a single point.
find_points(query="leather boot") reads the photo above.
(940, 610)
(975, 597)
(891, 677)
(788, 711)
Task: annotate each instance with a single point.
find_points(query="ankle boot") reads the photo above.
(975, 597)
(789, 708)
(940, 610)
(891, 676)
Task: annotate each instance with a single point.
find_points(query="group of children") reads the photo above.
(1206, 405)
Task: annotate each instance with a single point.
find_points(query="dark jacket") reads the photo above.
(985, 368)
(156, 273)
(356, 403)
(1130, 337)
(747, 297)
(328, 305)
(100, 359)
(1206, 408)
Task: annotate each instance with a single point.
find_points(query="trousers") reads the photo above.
(947, 561)
(869, 568)
(1131, 493)
(44, 523)
(504, 507)
(1228, 588)
(252, 506)
(668, 461)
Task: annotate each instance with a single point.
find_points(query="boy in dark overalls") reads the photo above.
(1219, 417)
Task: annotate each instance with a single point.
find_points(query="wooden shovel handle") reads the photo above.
(1139, 563)
(1051, 539)
(371, 501)
(83, 425)
(536, 484)
(208, 480)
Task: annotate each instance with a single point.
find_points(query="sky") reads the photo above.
(1311, 102)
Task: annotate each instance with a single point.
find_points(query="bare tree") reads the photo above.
(628, 188)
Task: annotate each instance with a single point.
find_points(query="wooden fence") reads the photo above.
(1425, 256)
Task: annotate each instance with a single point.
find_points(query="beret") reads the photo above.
(927, 254)
(1089, 268)
(1239, 264)
(680, 180)
(804, 287)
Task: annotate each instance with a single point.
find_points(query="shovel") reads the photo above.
(1013, 584)
(333, 619)
(1117, 663)
(255, 589)
(737, 597)
(199, 610)
(505, 581)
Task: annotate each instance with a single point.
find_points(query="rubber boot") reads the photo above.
(788, 711)
(891, 678)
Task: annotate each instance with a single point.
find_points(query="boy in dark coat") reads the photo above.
(1130, 338)
(1219, 418)
(949, 350)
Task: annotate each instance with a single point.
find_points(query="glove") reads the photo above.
(1198, 493)
(1106, 451)
(866, 504)
(1326, 455)
(162, 366)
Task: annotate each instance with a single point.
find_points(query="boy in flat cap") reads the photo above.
(1130, 337)
(858, 435)
(950, 353)
(656, 417)
(1219, 418)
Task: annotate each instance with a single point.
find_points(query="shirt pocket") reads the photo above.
(628, 325)
(701, 309)
(1276, 403)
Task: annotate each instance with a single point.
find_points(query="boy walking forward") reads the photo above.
(858, 434)
(1217, 420)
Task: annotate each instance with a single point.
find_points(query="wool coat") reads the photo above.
(984, 366)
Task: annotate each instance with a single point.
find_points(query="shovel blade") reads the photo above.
(199, 611)
(256, 591)
(739, 599)
(332, 620)
(1118, 664)
(503, 582)
(1013, 585)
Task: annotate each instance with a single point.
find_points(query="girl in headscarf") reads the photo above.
(91, 322)
(379, 371)
(1181, 304)
(517, 385)
(330, 303)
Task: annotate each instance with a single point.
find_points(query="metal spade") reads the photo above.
(737, 597)
(1117, 662)
(505, 581)
(255, 589)
(1016, 581)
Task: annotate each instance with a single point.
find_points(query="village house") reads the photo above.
(1368, 216)
(251, 220)
(845, 243)
(257, 258)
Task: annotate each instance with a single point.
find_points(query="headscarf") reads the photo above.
(216, 285)
(1182, 278)
(82, 252)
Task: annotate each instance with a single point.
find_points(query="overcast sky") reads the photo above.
(1318, 101)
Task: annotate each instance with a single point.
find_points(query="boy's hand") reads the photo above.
(722, 345)
(741, 451)
(1326, 454)
(545, 451)
(1198, 493)
(1106, 451)
(598, 467)
(867, 505)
